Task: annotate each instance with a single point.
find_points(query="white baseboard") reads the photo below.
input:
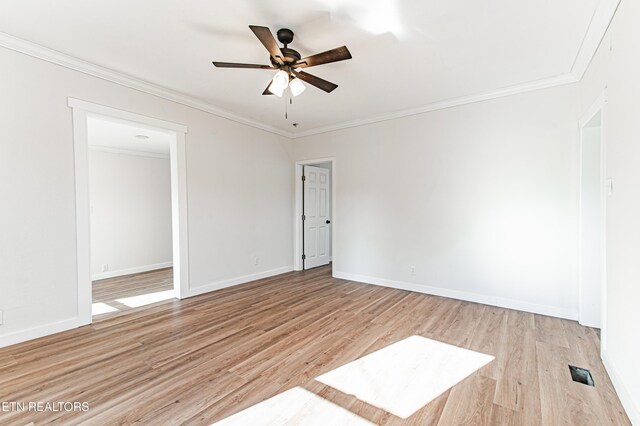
(40, 331)
(129, 271)
(239, 280)
(633, 411)
(463, 295)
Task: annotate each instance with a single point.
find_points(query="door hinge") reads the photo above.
(304, 256)
(304, 217)
(304, 178)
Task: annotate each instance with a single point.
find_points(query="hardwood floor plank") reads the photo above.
(517, 379)
(469, 402)
(458, 332)
(552, 361)
(7, 361)
(506, 417)
(490, 337)
(550, 330)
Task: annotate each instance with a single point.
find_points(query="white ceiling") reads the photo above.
(406, 54)
(120, 136)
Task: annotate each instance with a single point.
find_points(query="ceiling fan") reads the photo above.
(289, 63)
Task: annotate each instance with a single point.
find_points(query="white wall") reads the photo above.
(239, 188)
(481, 199)
(617, 66)
(130, 213)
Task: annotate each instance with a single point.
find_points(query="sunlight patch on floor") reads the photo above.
(102, 308)
(405, 376)
(146, 299)
(296, 406)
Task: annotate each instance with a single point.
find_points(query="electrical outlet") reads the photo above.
(1, 317)
(105, 267)
(256, 261)
(412, 270)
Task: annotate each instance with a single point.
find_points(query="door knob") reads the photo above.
(328, 222)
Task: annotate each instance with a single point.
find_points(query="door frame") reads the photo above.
(298, 232)
(83, 109)
(597, 107)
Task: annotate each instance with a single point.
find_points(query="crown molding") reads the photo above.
(598, 26)
(123, 151)
(67, 61)
(449, 103)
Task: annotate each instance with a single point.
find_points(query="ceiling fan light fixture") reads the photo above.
(296, 86)
(277, 92)
(279, 83)
(289, 63)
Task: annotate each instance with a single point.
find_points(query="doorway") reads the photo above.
(130, 215)
(86, 115)
(592, 260)
(315, 213)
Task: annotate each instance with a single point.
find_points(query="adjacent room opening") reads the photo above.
(130, 214)
(591, 218)
(314, 214)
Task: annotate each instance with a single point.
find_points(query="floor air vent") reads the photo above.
(581, 375)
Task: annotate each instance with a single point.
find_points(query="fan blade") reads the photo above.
(267, 39)
(234, 65)
(333, 55)
(325, 85)
(266, 91)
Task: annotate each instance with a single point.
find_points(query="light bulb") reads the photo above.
(279, 83)
(296, 86)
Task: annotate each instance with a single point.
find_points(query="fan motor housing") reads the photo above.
(290, 56)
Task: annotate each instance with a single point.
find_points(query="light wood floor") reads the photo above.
(202, 359)
(108, 291)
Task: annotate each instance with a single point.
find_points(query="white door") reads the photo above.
(316, 217)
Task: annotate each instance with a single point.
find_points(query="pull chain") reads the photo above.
(287, 95)
(286, 112)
